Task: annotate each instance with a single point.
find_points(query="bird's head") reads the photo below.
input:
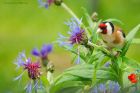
(106, 28)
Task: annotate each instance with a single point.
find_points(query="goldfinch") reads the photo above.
(112, 35)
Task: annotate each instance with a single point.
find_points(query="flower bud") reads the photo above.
(58, 2)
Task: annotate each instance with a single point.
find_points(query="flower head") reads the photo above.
(77, 34)
(49, 3)
(33, 69)
(45, 4)
(43, 53)
(133, 78)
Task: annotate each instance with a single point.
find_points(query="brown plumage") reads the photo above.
(111, 35)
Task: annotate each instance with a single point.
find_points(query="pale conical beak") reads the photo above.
(99, 30)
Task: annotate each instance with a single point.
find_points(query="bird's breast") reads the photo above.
(108, 38)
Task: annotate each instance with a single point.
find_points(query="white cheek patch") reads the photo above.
(109, 29)
(99, 30)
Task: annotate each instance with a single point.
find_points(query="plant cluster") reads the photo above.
(96, 69)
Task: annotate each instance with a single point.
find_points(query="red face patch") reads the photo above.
(102, 26)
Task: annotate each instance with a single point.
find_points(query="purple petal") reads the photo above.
(28, 60)
(95, 90)
(28, 87)
(46, 49)
(107, 64)
(78, 60)
(35, 52)
(20, 59)
(116, 88)
(77, 21)
(76, 30)
(102, 88)
(46, 5)
(110, 84)
(61, 36)
(74, 25)
(50, 2)
(65, 44)
(41, 3)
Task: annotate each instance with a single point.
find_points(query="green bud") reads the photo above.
(58, 2)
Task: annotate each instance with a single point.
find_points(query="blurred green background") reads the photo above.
(23, 26)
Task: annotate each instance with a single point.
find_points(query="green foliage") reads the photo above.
(132, 33)
(115, 20)
(93, 71)
(74, 77)
(129, 39)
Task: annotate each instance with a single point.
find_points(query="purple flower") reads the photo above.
(95, 90)
(116, 88)
(20, 60)
(45, 4)
(63, 42)
(109, 87)
(107, 64)
(49, 3)
(77, 34)
(43, 53)
(102, 88)
(33, 69)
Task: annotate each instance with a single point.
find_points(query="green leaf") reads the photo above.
(84, 71)
(74, 89)
(88, 18)
(105, 60)
(125, 48)
(44, 80)
(129, 39)
(104, 74)
(131, 63)
(94, 28)
(115, 20)
(77, 72)
(94, 57)
(136, 41)
(69, 85)
(132, 33)
(73, 50)
(66, 77)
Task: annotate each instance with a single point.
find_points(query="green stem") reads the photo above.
(121, 82)
(119, 72)
(136, 86)
(100, 48)
(69, 11)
